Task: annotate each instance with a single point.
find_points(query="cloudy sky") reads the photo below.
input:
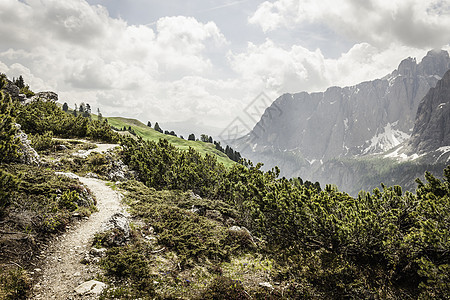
(194, 65)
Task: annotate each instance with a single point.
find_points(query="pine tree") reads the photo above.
(87, 111)
(204, 138)
(157, 128)
(65, 107)
(19, 82)
(149, 124)
(82, 108)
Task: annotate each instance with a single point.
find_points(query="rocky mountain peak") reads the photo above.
(436, 62)
(432, 125)
(407, 67)
(344, 122)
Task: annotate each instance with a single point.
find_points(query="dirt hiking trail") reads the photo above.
(61, 270)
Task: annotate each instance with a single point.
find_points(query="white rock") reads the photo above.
(67, 174)
(266, 285)
(98, 252)
(91, 287)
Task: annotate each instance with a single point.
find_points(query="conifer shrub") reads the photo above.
(8, 185)
(224, 288)
(9, 144)
(42, 142)
(129, 264)
(69, 200)
(14, 284)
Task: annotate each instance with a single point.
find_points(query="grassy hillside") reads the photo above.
(148, 133)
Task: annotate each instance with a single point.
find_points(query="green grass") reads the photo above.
(150, 134)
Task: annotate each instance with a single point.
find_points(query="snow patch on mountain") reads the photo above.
(388, 139)
(402, 156)
(444, 150)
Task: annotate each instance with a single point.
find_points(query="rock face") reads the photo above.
(432, 126)
(45, 96)
(28, 154)
(371, 117)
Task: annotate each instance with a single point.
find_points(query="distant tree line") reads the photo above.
(232, 154)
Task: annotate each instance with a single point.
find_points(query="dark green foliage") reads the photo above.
(69, 200)
(204, 138)
(14, 284)
(40, 117)
(130, 264)
(191, 137)
(42, 142)
(157, 128)
(149, 124)
(65, 107)
(19, 82)
(162, 166)
(224, 288)
(9, 144)
(233, 155)
(8, 185)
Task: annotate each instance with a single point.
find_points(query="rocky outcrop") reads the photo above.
(368, 118)
(45, 96)
(117, 229)
(27, 154)
(432, 126)
(12, 89)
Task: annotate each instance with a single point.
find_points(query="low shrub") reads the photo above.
(224, 288)
(14, 284)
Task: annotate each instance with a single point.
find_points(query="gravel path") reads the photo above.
(62, 271)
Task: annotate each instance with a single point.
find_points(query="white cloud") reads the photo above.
(275, 68)
(415, 23)
(83, 54)
(298, 69)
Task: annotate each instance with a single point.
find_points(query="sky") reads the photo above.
(196, 65)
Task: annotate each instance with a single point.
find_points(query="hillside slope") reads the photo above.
(148, 133)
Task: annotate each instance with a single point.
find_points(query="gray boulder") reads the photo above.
(118, 228)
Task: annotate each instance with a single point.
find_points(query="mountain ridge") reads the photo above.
(369, 118)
